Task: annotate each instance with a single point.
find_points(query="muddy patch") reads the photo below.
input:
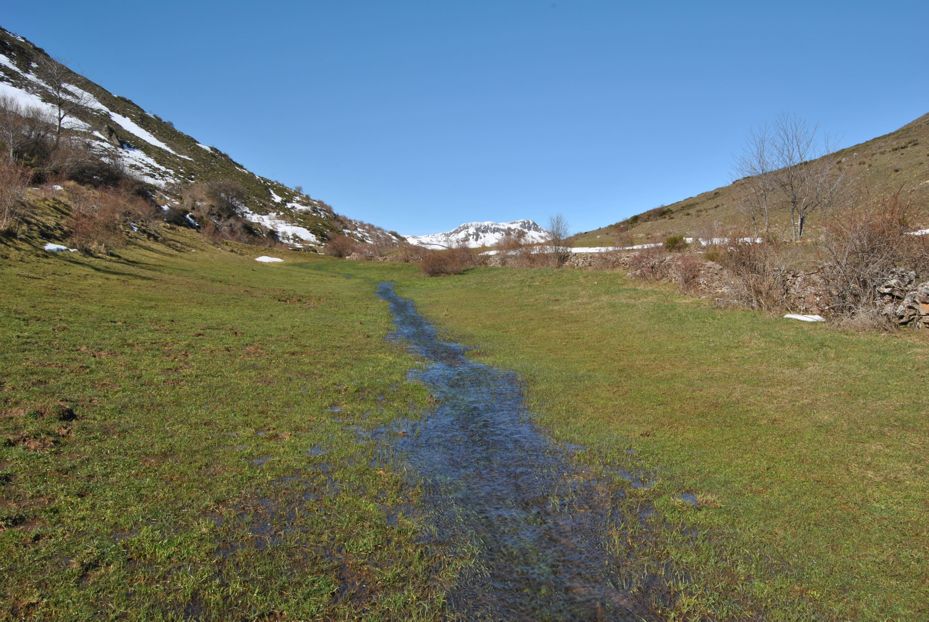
(500, 490)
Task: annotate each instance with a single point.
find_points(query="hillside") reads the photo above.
(896, 161)
(153, 151)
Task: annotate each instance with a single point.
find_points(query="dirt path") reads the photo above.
(498, 486)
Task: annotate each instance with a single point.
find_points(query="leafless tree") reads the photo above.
(557, 239)
(66, 101)
(785, 167)
(755, 166)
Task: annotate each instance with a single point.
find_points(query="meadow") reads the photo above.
(182, 435)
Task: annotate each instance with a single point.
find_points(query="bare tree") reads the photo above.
(755, 166)
(785, 167)
(557, 239)
(11, 126)
(66, 99)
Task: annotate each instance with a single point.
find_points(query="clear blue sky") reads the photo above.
(420, 115)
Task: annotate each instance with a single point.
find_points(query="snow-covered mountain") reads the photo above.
(481, 234)
(153, 151)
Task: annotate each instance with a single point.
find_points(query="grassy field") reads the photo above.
(211, 468)
(212, 465)
(805, 446)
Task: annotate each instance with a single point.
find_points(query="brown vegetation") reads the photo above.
(448, 261)
(13, 180)
(100, 218)
(340, 245)
(861, 246)
(216, 206)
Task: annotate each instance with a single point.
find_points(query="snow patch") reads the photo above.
(51, 247)
(266, 259)
(25, 99)
(286, 232)
(805, 318)
(130, 126)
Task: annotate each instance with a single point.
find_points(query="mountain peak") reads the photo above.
(482, 233)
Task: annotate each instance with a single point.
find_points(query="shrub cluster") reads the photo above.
(340, 245)
(448, 261)
(100, 218)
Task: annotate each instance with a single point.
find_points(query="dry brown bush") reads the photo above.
(409, 253)
(448, 261)
(13, 181)
(650, 264)
(687, 270)
(100, 219)
(340, 245)
(862, 245)
(758, 273)
(217, 207)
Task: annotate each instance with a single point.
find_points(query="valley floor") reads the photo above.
(191, 434)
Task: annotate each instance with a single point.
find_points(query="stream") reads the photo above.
(498, 487)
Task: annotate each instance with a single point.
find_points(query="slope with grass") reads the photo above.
(898, 161)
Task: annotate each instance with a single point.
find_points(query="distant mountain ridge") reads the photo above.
(482, 234)
(153, 151)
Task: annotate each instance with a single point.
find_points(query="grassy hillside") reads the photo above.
(895, 161)
(182, 435)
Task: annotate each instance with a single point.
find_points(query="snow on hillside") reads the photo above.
(481, 234)
(154, 152)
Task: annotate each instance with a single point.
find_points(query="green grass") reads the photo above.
(213, 468)
(207, 470)
(806, 445)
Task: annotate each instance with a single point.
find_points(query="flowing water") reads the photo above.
(497, 486)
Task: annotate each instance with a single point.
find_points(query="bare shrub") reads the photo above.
(448, 261)
(340, 245)
(218, 206)
(25, 133)
(73, 160)
(409, 253)
(650, 264)
(687, 270)
(100, 219)
(559, 251)
(13, 181)
(862, 245)
(758, 274)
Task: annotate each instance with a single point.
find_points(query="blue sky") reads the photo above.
(418, 116)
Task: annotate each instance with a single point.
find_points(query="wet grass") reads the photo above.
(803, 446)
(208, 468)
(182, 435)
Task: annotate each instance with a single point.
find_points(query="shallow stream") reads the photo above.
(500, 489)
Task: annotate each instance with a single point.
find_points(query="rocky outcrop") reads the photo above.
(903, 301)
